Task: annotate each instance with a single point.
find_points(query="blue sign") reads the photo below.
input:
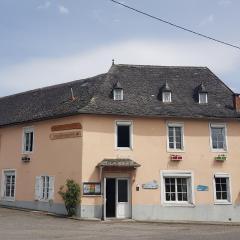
(202, 188)
(150, 185)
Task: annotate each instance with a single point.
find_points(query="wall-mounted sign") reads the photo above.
(150, 185)
(202, 188)
(91, 188)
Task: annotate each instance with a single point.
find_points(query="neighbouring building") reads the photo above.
(144, 142)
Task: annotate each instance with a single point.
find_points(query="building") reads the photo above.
(144, 142)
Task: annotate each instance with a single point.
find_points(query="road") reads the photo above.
(20, 225)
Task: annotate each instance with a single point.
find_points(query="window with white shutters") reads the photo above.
(44, 188)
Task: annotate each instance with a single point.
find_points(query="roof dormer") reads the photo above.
(117, 92)
(166, 93)
(202, 94)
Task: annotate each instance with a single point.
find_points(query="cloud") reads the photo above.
(209, 19)
(63, 10)
(43, 72)
(224, 2)
(45, 5)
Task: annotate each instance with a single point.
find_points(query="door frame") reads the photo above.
(116, 195)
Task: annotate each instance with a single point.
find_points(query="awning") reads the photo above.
(118, 162)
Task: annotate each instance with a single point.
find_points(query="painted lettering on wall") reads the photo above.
(72, 134)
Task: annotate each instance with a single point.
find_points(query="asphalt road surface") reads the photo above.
(16, 225)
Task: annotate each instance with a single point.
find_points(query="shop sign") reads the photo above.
(202, 188)
(91, 188)
(150, 185)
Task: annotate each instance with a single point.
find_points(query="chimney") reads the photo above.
(236, 101)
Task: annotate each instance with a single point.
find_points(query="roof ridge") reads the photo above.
(51, 86)
(159, 66)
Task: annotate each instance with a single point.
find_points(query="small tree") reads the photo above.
(71, 196)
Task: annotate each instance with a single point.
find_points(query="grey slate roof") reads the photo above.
(123, 162)
(141, 86)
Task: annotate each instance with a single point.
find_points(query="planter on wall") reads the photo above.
(221, 158)
(176, 157)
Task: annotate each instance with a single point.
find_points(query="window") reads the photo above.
(124, 134)
(175, 137)
(222, 188)
(28, 135)
(166, 97)
(177, 187)
(118, 94)
(203, 99)
(9, 184)
(44, 188)
(218, 137)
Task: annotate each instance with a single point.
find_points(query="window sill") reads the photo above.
(219, 151)
(222, 203)
(178, 205)
(175, 150)
(8, 199)
(27, 152)
(124, 149)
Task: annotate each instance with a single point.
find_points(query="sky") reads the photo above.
(46, 42)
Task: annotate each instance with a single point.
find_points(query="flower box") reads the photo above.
(176, 158)
(221, 158)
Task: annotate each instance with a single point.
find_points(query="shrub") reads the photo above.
(71, 196)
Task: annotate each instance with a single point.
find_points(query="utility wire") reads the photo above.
(175, 25)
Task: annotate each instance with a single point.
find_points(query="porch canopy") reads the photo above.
(118, 163)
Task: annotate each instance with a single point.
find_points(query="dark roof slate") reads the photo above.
(140, 85)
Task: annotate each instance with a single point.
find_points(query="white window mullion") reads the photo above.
(176, 192)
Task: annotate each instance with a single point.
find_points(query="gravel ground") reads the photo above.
(16, 225)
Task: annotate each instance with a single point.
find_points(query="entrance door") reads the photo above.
(117, 199)
(110, 197)
(123, 203)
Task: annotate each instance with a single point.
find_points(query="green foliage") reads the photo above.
(71, 196)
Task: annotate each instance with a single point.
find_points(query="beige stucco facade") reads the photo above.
(78, 157)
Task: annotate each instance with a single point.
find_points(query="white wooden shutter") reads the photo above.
(2, 186)
(51, 187)
(38, 188)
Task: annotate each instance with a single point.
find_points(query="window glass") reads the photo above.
(222, 188)
(176, 189)
(203, 98)
(218, 137)
(166, 96)
(28, 140)
(45, 185)
(175, 137)
(123, 190)
(118, 94)
(123, 136)
(9, 187)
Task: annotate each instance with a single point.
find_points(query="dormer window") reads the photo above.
(166, 97)
(166, 93)
(117, 92)
(203, 98)
(202, 94)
